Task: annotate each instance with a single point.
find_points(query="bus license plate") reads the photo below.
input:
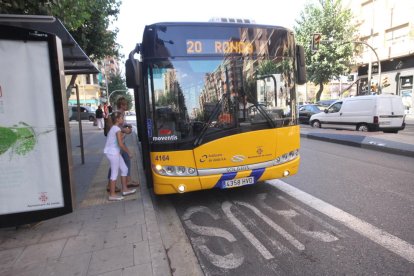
(238, 182)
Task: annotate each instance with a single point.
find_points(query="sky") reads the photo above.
(136, 14)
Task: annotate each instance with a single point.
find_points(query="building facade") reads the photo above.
(388, 26)
(93, 88)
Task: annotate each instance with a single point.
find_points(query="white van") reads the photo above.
(363, 113)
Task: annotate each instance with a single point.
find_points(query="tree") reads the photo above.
(117, 84)
(86, 20)
(335, 54)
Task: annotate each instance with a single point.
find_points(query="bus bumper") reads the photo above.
(173, 185)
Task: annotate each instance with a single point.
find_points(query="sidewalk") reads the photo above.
(101, 237)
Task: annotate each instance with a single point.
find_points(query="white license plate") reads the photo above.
(238, 182)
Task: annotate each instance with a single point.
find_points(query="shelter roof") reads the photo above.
(75, 59)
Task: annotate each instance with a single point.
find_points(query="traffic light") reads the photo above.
(316, 40)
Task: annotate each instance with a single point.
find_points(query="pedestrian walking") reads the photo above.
(99, 114)
(114, 144)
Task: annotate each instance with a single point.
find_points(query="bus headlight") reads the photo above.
(180, 170)
(170, 170)
(174, 170)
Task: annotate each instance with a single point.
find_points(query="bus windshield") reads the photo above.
(193, 101)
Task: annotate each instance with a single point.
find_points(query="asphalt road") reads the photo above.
(348, 211)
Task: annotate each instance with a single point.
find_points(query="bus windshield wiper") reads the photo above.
(214, 114)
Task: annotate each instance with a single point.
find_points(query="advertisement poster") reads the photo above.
(30, 176)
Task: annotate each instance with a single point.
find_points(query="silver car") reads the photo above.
(86, 113)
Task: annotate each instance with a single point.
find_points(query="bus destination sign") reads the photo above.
(220, 47)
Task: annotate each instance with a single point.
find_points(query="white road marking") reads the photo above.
(226, 206)
(276, 227)
(206, 230)
(317, 235)
(312, 216)
(381, 237)
(229, 261)
(199, 209)
(289, 215)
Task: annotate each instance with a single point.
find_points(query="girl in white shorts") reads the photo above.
(112, 150)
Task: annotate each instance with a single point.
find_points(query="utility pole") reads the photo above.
(369, 71)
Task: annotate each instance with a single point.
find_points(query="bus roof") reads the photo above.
(213, 23)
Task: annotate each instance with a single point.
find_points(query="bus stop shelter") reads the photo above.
(36, 179)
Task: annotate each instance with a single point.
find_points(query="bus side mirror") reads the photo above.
(301, 65)
(132, 73)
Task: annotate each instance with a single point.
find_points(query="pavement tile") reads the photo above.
(154, 236)
(133, 218)
(78, 215)
(125, 235)
(19, 238)
(61, 231)
(138, 270)
(117, 272)
(160, 269)
(38, 253)
(132, 206)
(142, 253)
(152, 227)
(96, 225)
(110, 259)
(47, 223)
(90, 242)
(68, 266)
(108, 210)
(9, 257)
(144, 232)
(32, 269)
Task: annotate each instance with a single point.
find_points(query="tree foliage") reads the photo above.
(117, 84)
(86, 20)
(335, 54)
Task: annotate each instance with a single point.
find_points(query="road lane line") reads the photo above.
(381, 237)
(226, 206)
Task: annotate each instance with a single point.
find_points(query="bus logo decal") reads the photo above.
(238, 158)
(203, 158)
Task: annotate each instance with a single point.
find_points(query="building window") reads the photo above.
(396, 35)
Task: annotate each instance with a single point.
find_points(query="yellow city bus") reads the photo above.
(216, 104)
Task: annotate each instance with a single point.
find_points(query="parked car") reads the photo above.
(363, 113)
(306, 111)
(326, 103)
(86, 113)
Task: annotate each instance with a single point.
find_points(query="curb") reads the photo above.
(177, 253)
(364, 142)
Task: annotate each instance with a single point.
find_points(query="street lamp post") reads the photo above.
(369, 69)
(110, 94)
(379, 65)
